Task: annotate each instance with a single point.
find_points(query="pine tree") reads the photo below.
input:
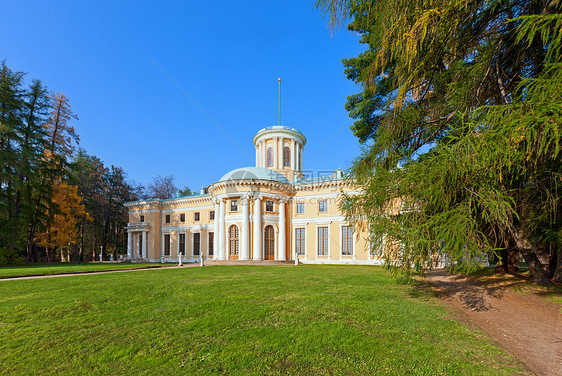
(59, 139)
(460, 116)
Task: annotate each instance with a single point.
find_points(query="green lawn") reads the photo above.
(237, 320)
(62, 268)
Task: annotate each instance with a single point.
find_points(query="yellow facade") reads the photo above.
(267, 212)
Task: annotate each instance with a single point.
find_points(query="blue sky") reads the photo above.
(163, 87)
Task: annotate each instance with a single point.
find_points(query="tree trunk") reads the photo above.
(105, 231)
(557, 277)
(29, 248)
(81, 244)
(503, 267)
(540, 276)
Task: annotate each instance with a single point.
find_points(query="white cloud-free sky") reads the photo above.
(165, 87)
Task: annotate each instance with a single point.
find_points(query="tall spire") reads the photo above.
(279, 79)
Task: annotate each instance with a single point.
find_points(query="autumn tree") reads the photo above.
(459, 115)
(68, 211)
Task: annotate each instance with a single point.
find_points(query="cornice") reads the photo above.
(250, 183)
(167, 203)
(279, 132)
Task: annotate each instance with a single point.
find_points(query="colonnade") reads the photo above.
(136, 248)
(221, 235)
(278, 145)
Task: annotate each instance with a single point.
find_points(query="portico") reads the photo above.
(137, 240)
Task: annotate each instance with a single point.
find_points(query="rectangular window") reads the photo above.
(300, 207)
(269, 206)
(167, 245)
(196, 243)
(322, 241)
(182, 244)
(322, 206)
(212, 215)
(211, 243)
(182, 217)
(347, 240)
(234, 205)
(142, 218)
(167, 218)
(196, 216)
(299, 241)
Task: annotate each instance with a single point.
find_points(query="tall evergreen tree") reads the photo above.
(11, 119)
(59, 138)
(460, 117)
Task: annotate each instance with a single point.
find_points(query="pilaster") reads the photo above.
(257, 229)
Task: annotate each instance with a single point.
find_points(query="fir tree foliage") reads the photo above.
(460, 117)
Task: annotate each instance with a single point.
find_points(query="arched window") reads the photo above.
(233, 241)
(286, 156)
(269, 253)
(269, 157)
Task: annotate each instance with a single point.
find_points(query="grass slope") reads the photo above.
(237, 320)
(63, 268)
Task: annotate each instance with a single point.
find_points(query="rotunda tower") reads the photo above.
(279, 148)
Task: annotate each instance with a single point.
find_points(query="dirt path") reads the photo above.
(526, 325)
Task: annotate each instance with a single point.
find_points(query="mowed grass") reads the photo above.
(64, 268)
(237, 320)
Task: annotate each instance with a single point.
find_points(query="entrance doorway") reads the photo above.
(233, 242)
(269, 249)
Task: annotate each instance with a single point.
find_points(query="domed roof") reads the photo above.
(247, 173)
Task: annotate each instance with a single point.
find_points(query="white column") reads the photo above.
(280, 153)
(257, 155)
(282, 238)
(144, 243)
(297, 146)
(263, 154)
(275, 153)
(244, 241)
(298, 161)
(300, 157)
(129, 244)
(257, 229)
(222, 240)
(293, 154)
(216, 232)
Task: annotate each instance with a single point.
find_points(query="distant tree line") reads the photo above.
(57, 203)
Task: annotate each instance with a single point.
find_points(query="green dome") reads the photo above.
(255, 173)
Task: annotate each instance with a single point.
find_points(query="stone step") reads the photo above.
(248, 262)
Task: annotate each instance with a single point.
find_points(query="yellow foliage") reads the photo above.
(63, 229)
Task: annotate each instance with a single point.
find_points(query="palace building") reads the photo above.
(267, 212)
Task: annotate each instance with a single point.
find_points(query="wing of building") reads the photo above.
(267, 212)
